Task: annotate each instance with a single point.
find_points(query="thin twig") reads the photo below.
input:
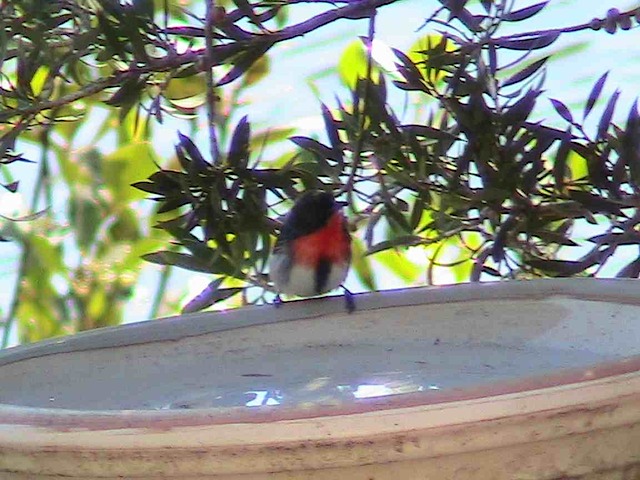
(365, 102)
(214, 149)
(160, 291)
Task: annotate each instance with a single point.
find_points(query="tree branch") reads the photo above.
(218, 55)
(214, 151)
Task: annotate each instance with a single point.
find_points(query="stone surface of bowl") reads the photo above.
(527, 380)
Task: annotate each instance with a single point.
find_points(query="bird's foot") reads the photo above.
(277, 301)
(349, 301)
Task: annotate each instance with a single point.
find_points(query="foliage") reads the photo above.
(479, 176)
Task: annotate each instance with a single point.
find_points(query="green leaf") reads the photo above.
(185, 88)
(429, 54)
(352, 65)
(127, 165)
(46, 255)
(399, 265)
(85, 215)
(577, 165)
(39, 79)
(267, 137)
(177, 259)
(126, 227)
(257, 71)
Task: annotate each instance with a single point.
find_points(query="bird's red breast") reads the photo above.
(330, 243)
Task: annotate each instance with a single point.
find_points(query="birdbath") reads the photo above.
(512, 380)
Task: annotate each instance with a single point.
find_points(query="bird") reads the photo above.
(312, 253)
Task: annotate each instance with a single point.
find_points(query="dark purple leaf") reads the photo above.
(7, 142)
(171, 203)
(233, 31)
(595, 203)
(182, 158)
(563, 268)
(531, 174)
(184, 31)
(598, 168)
(10, 158)
(417, 210)
(616, 238)
(519, 111)
(149, 187)
(246, 8)
(372, 222)
(177, 259)
(486, 4)
(524, 13)
(244, 63)
(331, 127)
(632, 270)
(454, 5)
(314, 146)
(472, 22)
(479, 264)
(605, 120)
(167, 181)
(409, 87)
(499, 241)
(630, 145)
(12, 187)
(128, 93)
(239, 149)
(199, 164)
(396, 219)
(425, 131)
(491, 271)
(525, 72)
(562, 110)
(595, 93)
(272, 178)
(493, 59)
(534, 42)
(407, 68)
(210, 295)
(633, 120)
(457, 10)
(560, 162)
(551, 237)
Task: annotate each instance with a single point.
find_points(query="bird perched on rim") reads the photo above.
(313, 251)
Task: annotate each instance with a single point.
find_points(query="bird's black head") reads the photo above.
(311, 211)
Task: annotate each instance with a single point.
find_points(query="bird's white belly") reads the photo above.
(302, 279)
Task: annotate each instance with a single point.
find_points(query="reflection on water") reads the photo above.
(264, 397)
(370, 391)
(321, 391)
(334, 376)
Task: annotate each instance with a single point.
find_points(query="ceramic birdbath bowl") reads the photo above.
(515, 380)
